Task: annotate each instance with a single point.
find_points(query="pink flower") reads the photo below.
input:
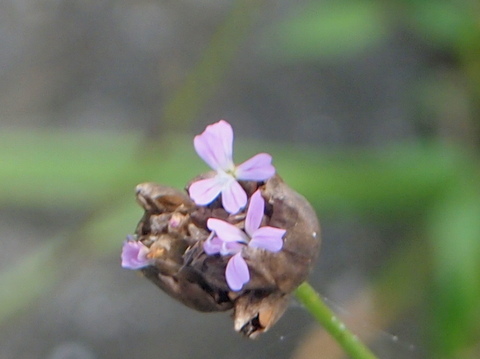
(215, 147)
(228, 240)
(134, 255)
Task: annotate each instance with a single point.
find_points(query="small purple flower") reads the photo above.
(228, 240)
(134, 255)
(215, 147)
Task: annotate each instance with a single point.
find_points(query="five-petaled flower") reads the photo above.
(215, 147)
(134, 255)
(228, 239)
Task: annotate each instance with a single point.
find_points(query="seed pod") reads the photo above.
(175, 230)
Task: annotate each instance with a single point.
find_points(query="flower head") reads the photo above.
(229, 239)
(215, 147)
(134, 255)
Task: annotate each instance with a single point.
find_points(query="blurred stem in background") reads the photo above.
(206, 77)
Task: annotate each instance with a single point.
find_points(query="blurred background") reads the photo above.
(369, 108)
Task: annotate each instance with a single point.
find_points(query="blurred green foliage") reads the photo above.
(329, 31)
(429, 184)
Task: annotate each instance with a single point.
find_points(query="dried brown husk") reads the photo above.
(174, 229)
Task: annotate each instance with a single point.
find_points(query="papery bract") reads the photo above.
(215, 147)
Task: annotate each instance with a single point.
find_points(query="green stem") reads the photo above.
(324, 315)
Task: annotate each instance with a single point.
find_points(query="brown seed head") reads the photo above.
(174, 229)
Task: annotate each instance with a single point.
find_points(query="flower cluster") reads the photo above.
(215, 147)
(230, 240)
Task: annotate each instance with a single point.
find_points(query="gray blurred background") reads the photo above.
(109, 66)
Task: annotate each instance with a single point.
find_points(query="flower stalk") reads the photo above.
(325, 317)
(240, 239)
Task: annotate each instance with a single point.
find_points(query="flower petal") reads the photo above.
(134, 255)
(234, 197)
(226, 232)
(213, 245)
(215, 145)
(269, 238)
(232, 248)
(236, 272)
(254, 213)
(203, 192)
(257, 168)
